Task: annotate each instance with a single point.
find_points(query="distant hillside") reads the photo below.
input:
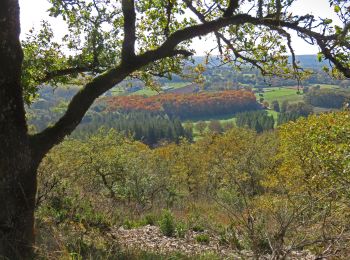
(310, 61)
(190, 88)
(305, 61)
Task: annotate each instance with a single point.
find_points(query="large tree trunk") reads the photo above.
(17, 196)
(17, 169)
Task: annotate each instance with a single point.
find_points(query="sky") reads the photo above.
(33, 11)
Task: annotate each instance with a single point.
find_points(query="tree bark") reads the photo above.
(17, 170)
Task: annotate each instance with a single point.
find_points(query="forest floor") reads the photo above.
(150, 239)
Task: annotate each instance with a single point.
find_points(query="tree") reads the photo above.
(294, 111)
(313, 176)
(201, 126)
(275, 106)
(106, 55)
(305, 89)
(327, 98)
(284, 106)
(266, 104)
(344, 84)
(227, 126)
(257, 120)
(236, 165)
(215, 126)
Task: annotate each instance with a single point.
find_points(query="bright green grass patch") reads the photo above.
(274, 114)
(168, 86)
(222, 119)
(117, 92)
(281, 94)
(287, 93)
(145, 92)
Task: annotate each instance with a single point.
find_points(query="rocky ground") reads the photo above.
(149, 238)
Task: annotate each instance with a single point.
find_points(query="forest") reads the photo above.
(150, 128)
(187, 106)
(269, 183)
(174, 129)
(327, 98)
(274, 193)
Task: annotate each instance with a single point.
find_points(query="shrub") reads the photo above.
(196, 221)
(181, 229)
(128, 224)
(202, 239)
(150, 219)
(167, 223)
(223, 239)
(197, 228)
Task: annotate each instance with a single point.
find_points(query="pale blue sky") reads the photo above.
(33, 11)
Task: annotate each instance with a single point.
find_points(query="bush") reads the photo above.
(181, 229)
(275, 106)
(223, 239)
(202, 239)
(196, 222)
(129, 224)
(150, 219)
(167, 224)
(198, 228)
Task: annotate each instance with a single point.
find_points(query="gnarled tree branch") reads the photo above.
(232, 6)
(328, 55)
(64, 72)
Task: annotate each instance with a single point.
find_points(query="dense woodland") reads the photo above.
(150, 128)
(272, 193)
(259, 121)
(291, 112)
(258, 183)
(328, 98)
(187, 106)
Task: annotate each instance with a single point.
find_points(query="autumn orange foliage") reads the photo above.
(187, 105)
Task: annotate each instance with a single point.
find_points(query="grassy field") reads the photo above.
(281, 94)
(145, 92)
(286, 93)
(117, 91)
(150, 92)
(222, 119)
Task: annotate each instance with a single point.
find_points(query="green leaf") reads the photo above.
(336, 8)
(328, 21)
